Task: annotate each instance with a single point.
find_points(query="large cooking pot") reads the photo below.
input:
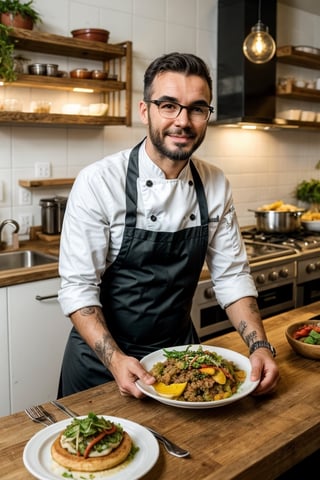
(273, 221)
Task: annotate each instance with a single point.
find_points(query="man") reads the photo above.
(138, 226)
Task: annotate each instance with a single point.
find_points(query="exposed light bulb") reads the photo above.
(259, 46)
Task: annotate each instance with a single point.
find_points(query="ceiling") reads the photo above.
(312, 6)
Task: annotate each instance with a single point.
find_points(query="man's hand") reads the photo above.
(126, 370)
(265, 369)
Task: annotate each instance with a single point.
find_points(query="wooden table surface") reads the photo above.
(255, 437)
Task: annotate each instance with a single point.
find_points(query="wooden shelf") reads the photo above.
(289, 90)
(42, 42)
(59, 120)
(289, 55)
(46, 182)
(66, 83)
(117, 58)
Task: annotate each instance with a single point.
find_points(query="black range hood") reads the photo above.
(246, 91)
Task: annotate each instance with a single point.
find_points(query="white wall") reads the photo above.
(262, 166)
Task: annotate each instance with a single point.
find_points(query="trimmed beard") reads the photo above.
(176, 155)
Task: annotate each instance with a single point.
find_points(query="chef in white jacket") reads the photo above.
(137, 229)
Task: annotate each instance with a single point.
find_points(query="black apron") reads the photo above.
(146, 293)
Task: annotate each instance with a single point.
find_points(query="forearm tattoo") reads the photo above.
(104, 348)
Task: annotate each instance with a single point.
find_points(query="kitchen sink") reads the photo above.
(24, 259)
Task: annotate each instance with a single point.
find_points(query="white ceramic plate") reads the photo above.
(240, 360)
(37, 457)
(313, 225)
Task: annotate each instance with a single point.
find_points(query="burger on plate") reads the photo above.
(91, 444)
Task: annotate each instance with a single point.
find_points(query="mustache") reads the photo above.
(183, 132)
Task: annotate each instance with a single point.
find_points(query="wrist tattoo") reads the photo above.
(251, 337)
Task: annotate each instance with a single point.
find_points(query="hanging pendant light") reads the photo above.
(259, 46)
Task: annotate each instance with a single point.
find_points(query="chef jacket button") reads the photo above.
(149, 183)
(192, 216)
(153, 218)
(190, 183)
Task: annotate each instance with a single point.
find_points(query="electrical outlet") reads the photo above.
(42, 170)
(25, 222)
(25, 196)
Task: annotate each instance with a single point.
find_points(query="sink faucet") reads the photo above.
(14, 224)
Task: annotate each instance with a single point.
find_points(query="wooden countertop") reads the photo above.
(41, 272)
(251, 438)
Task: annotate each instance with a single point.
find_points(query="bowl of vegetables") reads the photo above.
(304, 338)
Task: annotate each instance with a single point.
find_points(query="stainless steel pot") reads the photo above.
(273, 221)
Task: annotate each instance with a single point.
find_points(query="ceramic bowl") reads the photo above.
(99, 75)
(98, 108)
(312, 225)
(304, 349)
(80, 73)
(93, 34)
(71, 108)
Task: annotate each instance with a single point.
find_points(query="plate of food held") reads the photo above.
(197, 376)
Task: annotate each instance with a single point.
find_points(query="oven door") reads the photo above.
(308, 292)
(208, 317)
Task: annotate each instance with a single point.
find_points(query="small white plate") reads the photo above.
(313, 225)
(241, 361)
(38, 461)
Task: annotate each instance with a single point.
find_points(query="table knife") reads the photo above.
(64, 409)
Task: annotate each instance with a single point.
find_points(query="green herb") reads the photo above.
(194, 358)
(82, 430)
(67, 475)
(313, 338)
(309, 191)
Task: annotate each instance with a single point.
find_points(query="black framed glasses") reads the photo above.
(196, 112)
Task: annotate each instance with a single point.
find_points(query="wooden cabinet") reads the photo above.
(288, 90)
(38, 333)
(117, 59)
(4, 355)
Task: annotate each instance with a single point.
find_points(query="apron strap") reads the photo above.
(131, 186)
(203, 206)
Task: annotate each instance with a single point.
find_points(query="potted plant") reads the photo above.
(7, 70)
(309, 192)
(13, 13)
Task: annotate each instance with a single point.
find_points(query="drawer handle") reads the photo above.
(40, 298)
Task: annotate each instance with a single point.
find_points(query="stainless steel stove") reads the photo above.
(286, 271)
(307, 247)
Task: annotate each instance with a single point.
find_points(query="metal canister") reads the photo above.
(52, 213)
(61, 203)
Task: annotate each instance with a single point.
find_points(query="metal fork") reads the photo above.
(39, 415)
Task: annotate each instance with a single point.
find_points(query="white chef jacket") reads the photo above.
(94, 222)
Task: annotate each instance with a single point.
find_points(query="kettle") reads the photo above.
(52, 213)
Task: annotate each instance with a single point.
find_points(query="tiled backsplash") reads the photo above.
(261, 166)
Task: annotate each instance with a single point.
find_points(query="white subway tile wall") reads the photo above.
(262, 166)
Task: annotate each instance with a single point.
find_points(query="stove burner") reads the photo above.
(300, 240)
(258, 251)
